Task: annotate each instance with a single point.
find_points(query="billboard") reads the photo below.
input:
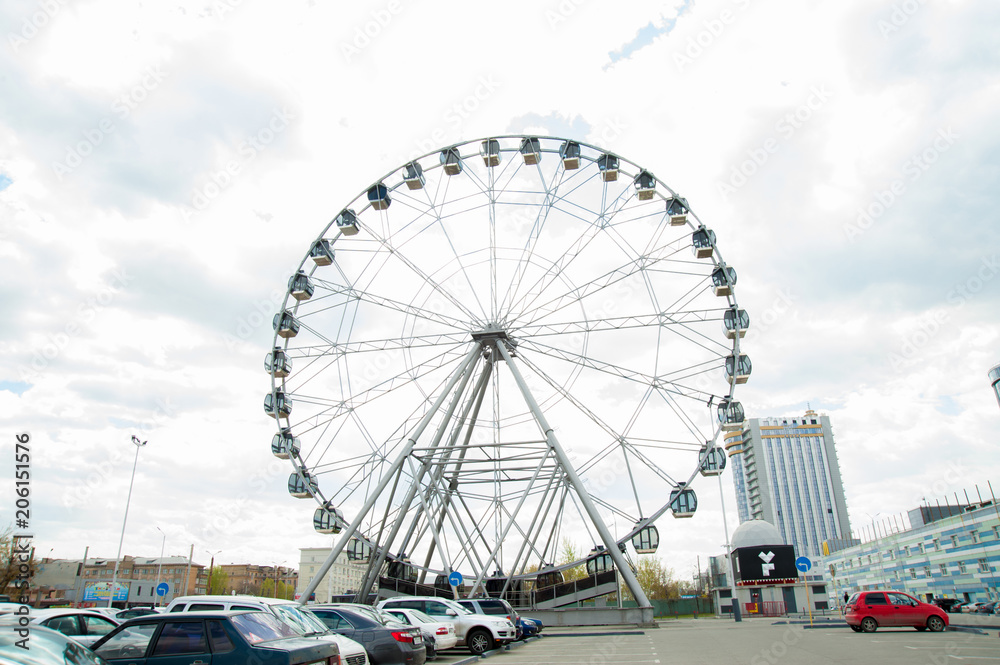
(766, 564)
(98, 591)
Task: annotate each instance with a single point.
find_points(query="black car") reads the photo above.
(986, 608)
(947, 604)
(219, 638)
(386, 644)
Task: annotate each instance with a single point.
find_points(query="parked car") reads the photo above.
(478, 632)
(442, 633)
(389, 620)
(238, 637)
(289, 612)
(955, 609)
(499, 607)
(387, 643)
(870, 610)
(125, 615)
(986, 608)
(947, 604)
(46, 647)
(972, 607)
(84, 626)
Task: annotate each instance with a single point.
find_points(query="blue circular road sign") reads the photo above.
(803, 564)
(455, 579)
(162, 588)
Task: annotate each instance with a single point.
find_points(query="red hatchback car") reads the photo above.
(868, 611)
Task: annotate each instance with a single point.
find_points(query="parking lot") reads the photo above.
(754, 642)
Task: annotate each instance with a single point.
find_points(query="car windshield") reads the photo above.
(451, 604)
(260, 627)
(421, 617)
(297, 619)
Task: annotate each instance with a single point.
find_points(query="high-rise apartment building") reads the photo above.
(786, 472)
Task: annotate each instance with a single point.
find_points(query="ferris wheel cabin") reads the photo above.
(547, 577)
(723, 280)
(284, 444)
(301, 286)
(451, 161)
(646, 540)
(735, 322)
(277, 363)
(321, 253)
(358, 550)
(677, 208)
(608, 166)
(347, 222)
(570, 154)
(683, 502)
(327, 519)
(285, 324)
(645, 185)
(301, 485)
(490, 151)
(713, 461)
(599, 561)
(531, 151)
(277, 403)
(401, 569)
(731, 415)
(703, 243)
(738, 369)
(413, 175)
(378, 197)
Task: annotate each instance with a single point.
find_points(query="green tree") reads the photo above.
(570, 552)
(11, 560)
(656, 580)
(218, 581)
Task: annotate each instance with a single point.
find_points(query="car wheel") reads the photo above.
(479, 641)
(935, 623)
(869, 625)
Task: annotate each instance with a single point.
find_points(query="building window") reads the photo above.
(975, 536)
(961, 568)
(937, 545)
(907, 550)
(927, 571)
(943, 567)
(920, 548)
(984, 567)
(954, 541)
(913, 573)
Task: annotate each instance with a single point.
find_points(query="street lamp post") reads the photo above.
(210, 567)
(159, 567)
(114, 578)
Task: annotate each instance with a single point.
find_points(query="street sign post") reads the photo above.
(162, 589)
(455, 578)
(804, 564)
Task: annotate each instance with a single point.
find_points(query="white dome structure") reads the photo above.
(756, 533)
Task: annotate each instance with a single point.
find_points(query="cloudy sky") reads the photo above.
(165, 166)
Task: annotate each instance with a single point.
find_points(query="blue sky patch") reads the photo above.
(16, 387)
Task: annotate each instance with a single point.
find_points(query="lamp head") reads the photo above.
(137, 442)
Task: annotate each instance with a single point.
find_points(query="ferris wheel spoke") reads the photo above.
(388, 344)
(409, 309)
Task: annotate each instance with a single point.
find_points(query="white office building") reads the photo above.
(786, 472)
(343, 576)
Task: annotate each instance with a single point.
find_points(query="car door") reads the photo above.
(68, 624)
(877, 606)
(181, 642)
(907, 610)
(129, 645)
(94, 628)
(335, 622)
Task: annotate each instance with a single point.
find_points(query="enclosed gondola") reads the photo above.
(400, 568)
(327, 519)
(531, 151)
(735, 322)
(284, 444)
(277, 363)
(738, 368)
(321, 253)
(548, 577)
(347, 222)
(277, 403)
(301, 286)
(608, 166)
(599, 561)
(646, 540)
(302, 485)
(713, 461)
(490, 151)
(451, 161)
(645, 185)
(723, 280)
(413, 176)
(703, 243)
(683, 502)
(358, 550)
(677, 209)
(731, 415)
(378, 197)
(441, 582)
(569, 151)
(285, 324)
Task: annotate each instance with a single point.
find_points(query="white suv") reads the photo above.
(304, 623)
(478, 632)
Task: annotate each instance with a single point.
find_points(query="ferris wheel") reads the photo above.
(497, 346)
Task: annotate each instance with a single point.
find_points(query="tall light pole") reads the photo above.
(210, 567)
(114, 578)
(995, 381)
(159, 567)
